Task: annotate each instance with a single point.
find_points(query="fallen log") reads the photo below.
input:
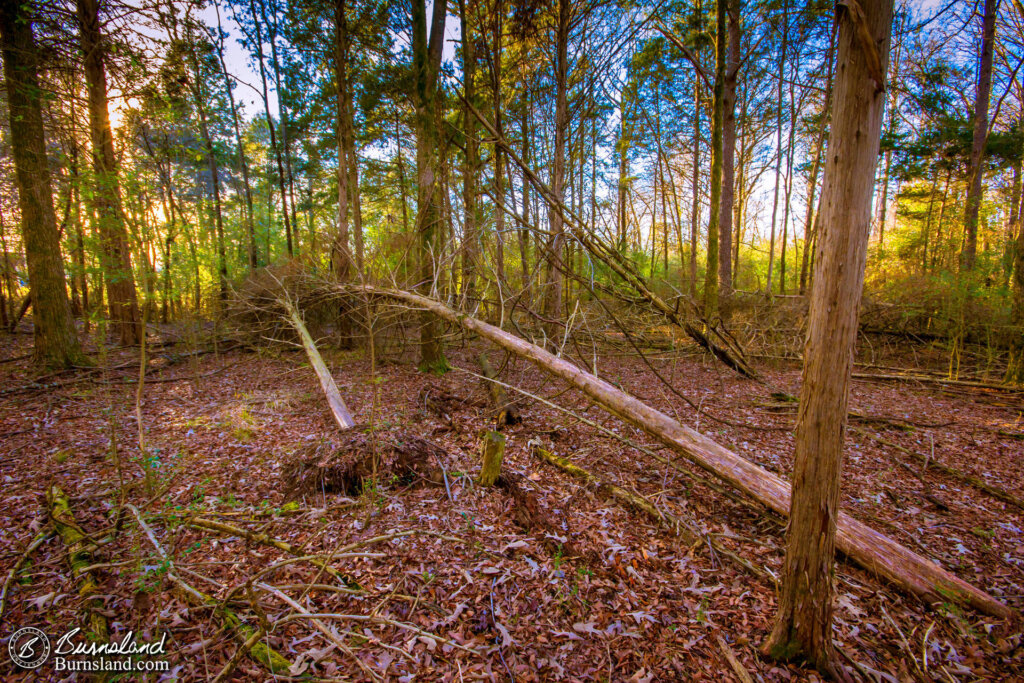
(80, 557)
(943, 381)
(338, 408)
(872, 550)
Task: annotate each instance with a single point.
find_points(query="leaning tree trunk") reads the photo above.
(56, 344)
(803, 626)
(975, 171)
(117, 265)
(879, 554)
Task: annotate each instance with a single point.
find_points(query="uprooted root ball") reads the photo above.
(343, 464)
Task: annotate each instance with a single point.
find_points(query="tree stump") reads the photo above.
(492, 451)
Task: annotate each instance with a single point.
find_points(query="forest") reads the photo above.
(583, 340)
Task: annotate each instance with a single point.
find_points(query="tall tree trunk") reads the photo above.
(556, 242)
(275, 148)
(819, 147)
(778, 143)
(524, 234)
(1015, 368)
(717, 119)
(121, 298)
(471, 165)
(927, 229)
(975, 170)
(243, 161)
(282, 114)
(201, 97)
(725, 216)
(803, 625)
(1012, 222)
(499, 157)
(789, 181)
(695, 188)
(355, 203)
(341, 255)
(426, 55)
(55, 341)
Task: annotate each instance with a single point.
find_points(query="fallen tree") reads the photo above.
(872, 550)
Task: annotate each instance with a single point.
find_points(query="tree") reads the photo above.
(115, 256)
(725, 218)
(976, 169)
(803, 625)
(56, 343)
(426, 63)
(556, 241)
(717, 118)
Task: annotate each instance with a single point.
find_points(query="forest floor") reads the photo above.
(602, 594)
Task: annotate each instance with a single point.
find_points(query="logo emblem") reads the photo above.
(29, 647)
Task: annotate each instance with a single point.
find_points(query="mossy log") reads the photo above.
(630, 499)
(643, 506)
(80, 547)
(492, 451)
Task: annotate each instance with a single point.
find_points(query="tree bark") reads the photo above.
(1015, 370)
(121, 297)
(55, 341)
(803, 626)
(975, 170)
(471, 166)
